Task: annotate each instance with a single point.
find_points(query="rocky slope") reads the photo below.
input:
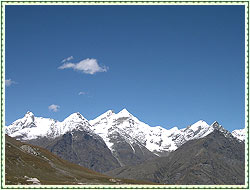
(85, 149)
(215, 159)
(26, 164)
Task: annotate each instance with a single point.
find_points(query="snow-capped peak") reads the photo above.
(29, 117)
(199, 124)
(26, 121)
(107, 114)
(226, 133)
(31, 127)
(215, 124)
(239, 134)
(29, 114)
(74, 117)
(124, 113)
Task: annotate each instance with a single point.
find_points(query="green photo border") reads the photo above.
(108, 2)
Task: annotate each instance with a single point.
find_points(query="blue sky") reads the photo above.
(167, 65)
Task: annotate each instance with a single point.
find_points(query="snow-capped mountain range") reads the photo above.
(31, 127)
(111, 125)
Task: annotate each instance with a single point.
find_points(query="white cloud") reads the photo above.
(82, 93)
(9, 82)
(67, 59)
(54, 108)
(67, 65)
(87, 66)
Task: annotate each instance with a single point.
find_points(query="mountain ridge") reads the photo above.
(124, 138)
(212, 160)
(78, 121)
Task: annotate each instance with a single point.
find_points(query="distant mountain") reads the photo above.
(26, 164)
(239, 134)
(158, 140)
(119, 133)
(109, 141)
(71, 139)
(217, 159)
(30, 127)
